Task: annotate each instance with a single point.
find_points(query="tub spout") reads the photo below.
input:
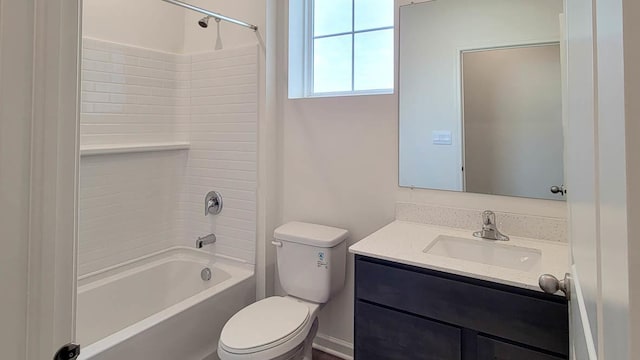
(205, 240)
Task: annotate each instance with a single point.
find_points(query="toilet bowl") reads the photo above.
(273, 328)
(311, 265)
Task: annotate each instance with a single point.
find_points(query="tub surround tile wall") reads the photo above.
(128, 202)
(223, 155)
(529, 226)
(133, 95)
(135, 204)
(127, 206)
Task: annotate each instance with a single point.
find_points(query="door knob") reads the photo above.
(550, 284)
(558, 190)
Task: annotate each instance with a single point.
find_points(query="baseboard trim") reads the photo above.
(212, 356)
(322, 342)
(334, 346)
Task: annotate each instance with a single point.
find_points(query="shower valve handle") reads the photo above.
(212, 203)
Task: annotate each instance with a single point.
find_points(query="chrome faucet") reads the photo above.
(490, 228)
(205, 240)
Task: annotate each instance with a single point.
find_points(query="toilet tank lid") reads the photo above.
(311, 234)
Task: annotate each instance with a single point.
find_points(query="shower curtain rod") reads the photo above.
(212, 14)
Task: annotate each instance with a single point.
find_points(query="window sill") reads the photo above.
(343, 94)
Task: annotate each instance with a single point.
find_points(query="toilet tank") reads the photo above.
(311, 260)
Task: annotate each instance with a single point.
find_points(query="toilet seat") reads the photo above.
(265, 325)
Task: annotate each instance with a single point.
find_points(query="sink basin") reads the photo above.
(486, 252)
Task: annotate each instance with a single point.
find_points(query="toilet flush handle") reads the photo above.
(276, 243)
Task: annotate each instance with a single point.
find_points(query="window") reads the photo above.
(345, 47)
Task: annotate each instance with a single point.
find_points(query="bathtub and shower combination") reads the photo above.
(171, 304)
(161, 306)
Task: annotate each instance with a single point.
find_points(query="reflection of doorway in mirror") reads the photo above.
(512, 120)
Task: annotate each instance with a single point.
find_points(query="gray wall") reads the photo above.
(513, 139)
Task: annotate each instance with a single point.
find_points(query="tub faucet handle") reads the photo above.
(212, 203)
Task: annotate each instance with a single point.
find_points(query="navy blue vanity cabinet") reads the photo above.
(404, 312)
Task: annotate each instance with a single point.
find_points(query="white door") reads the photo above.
(581, 177)
(38, 174)
(596, 170)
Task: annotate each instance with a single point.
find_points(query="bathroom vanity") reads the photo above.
(480, 111)
(413, 304)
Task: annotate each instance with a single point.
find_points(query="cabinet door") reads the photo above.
(383, 334)
(501, 311)
(490, 349)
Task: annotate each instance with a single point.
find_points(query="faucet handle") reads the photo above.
(488, 217)
(212, 203)
(490, 228)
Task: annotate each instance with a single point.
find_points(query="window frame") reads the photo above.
(308, 56)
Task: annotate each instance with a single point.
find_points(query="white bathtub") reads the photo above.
(158, 307)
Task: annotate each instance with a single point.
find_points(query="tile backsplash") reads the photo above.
(529, 226)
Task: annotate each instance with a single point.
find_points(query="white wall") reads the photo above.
(161, 26)
(151, 24)
(339, 164)
(432, 35)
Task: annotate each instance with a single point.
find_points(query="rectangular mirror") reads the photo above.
(481, 97)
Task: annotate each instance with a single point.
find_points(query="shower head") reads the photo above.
(204, 22)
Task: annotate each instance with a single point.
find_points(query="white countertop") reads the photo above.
(403, 242)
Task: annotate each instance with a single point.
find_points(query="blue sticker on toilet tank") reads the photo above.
(321, 260)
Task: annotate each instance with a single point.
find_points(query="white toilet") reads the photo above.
(311, 265)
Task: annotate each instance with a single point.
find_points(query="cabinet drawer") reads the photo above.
(491, 349)
(468, 303)
(383, 334)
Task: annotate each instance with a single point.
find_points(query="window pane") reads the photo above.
(372, 14)
(332, 64)
(332, 17)
(374, 60)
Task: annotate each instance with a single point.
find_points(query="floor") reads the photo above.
(319, 355)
